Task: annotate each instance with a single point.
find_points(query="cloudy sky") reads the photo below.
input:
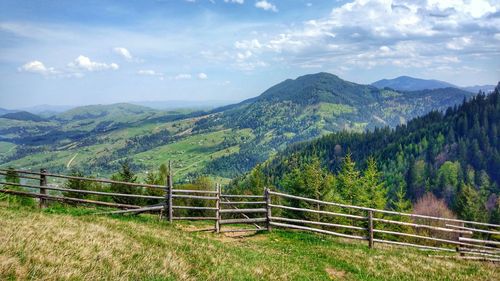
(101, 51)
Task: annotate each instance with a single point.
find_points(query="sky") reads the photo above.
(102, 51)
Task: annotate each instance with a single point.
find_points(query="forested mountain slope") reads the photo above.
(453, 154)
(315, 105)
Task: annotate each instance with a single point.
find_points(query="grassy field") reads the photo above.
(70, 244)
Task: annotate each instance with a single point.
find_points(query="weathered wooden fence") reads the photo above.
(470, 239)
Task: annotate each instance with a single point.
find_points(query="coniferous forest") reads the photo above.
(452, 155)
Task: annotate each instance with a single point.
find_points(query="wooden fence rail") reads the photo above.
(360, 223)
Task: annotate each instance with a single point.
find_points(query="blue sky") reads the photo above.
(89, 52)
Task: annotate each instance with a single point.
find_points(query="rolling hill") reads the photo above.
(23, 116)
(226, 141)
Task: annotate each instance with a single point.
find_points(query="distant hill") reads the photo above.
(482, 88)
(407, 83)
(110, 110)
(180, 104)
(5, 111)
(47, 109)
(23, 116)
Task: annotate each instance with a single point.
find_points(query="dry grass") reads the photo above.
(64, 246)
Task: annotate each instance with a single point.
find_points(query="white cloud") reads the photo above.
(149, 72)
(459, 43)
(202, 76)
(37, 67)
(182, 76)
(243, 56)
(84, 63)
(123, 52)
(248, 44)
(234, 1)
(263, 4)
(366, 34)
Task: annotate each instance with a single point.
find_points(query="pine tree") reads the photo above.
(12, 176)
(125, 175)
(400, 203)
(77, 184)
(468, 204)
(159, 178)
(372, 184)
(310, 180)
(349, 182)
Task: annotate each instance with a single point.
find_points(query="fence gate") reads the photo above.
(241, 210)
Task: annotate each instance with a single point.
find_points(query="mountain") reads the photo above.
(407, 83)
(23, 116)
(454, 154)
(226, 141)
(321, 87)
(478, 88)
(5, 111)
(312, 106)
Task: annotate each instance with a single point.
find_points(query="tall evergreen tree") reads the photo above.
(349, 182)
(469, 205)
(374, 186)
(126, 175)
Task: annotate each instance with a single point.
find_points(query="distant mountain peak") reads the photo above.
(320, 87)
(408, 83)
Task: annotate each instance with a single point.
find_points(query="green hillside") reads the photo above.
(225, 142)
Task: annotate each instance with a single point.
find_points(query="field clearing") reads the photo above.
(67, 243)
(6, 147)
(193, 152)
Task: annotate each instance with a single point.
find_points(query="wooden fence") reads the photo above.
(470, 239)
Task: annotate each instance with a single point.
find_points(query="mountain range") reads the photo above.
(407, 83)
(223, 142)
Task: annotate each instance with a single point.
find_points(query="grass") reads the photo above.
(63, 243)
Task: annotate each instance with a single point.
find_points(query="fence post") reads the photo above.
(458, 246)
(43, 191)
(164, 212)
(170, 191)
(217, 211)
(370, 229)
(268, 208)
